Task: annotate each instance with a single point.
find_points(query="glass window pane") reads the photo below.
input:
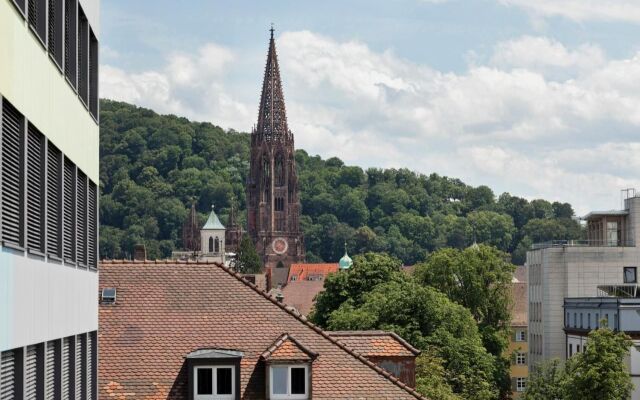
(223, 381)
(298, 381)
(205, 381)
(279, 380)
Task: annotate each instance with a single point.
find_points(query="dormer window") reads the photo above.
(288, 369)
(289, 381)
(214, 374)
(214, 382)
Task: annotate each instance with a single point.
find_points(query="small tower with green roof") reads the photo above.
(345, 262)
(212, 237)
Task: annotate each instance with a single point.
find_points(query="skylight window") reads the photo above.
(108, 296)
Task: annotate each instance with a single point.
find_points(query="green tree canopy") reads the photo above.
(247, 258)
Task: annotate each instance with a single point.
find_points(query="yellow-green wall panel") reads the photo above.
(37, 88)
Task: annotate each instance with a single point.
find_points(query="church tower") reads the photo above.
(273, 208)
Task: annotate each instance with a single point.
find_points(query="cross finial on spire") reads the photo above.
(212, 207)
(272, 30)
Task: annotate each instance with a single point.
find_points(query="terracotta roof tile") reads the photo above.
(287, 348)
(300, 272)
(301, 294)
(167, 309)
(376, 343)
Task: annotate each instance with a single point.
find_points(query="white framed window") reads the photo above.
(521, 358)
(521, 384)
(521, 336)
(290, 382)
(214, 382)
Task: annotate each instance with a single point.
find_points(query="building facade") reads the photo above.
(562, 269)
(273, 204)
(49, 142)
(518, 342)
(621, 314)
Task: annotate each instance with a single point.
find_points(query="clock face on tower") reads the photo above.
(280, 245)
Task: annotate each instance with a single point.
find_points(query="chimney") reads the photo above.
(139, 252)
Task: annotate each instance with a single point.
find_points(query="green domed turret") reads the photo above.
(345, 262)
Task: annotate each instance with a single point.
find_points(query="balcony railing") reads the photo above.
(581, 243)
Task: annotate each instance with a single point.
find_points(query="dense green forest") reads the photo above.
(153, 166)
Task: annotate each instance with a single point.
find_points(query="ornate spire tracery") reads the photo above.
(272, 116)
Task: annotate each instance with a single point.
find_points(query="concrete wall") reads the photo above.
(39, 90)
(559, 272)
(41, 301)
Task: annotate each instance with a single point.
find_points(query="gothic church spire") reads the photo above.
(272, 116)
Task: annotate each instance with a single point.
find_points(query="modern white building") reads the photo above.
(620, 314)
(49, 155)
(565, 269)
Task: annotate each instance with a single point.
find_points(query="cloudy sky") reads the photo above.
(539, 98)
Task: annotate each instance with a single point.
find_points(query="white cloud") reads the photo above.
(559, 125)
(521, 124)
(190, 85)
(542, 54)
(582, 10)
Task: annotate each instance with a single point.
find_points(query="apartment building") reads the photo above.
(566, 269)
(48, 198)
(518, 345)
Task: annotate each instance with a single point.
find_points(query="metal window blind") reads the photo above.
(37, 15)
(30, 373)
(93, 75)
(83, 56)
(12, 175)
(92, 225)
(51, 376)
(81, 195)
(69, 210)
(56, 30)
(67, 367)
(89, 367)
(35, 189)
(80, 364)
(70, 40)
(54, 180)
(7, 375)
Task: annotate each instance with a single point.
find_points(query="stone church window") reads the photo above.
(279, 170)
(217, 245)
(210, 244)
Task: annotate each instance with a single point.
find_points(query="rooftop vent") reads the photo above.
(108, 296)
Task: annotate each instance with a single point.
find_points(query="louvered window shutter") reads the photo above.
(67, 368)
(55, 31)
(37, 13)
(12, 175)
(54, 201)
(83, 56)
(7, 375)
(31, 373)
(69, 210)
(93, 75)
(35, 189)
(91, 359)
(81, 367)
(81, 195)
(51, 376)
(70, 41)
(92, 225)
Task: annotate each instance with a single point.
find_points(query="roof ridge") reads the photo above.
(322, 333)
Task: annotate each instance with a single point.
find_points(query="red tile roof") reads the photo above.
(301, 272)
(167, 309)
(376, 343)
(301, 294)
(287, 348)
